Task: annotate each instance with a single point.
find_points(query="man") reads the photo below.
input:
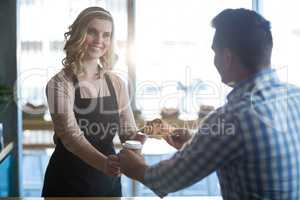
(253, 141)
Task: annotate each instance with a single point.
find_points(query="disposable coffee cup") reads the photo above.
(133, 145)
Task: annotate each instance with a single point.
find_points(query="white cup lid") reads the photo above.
(133, 144)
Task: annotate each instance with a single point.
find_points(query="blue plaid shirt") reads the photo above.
(253, 142)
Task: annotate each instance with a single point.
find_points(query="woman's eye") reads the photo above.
(92, 32)
(106, 35)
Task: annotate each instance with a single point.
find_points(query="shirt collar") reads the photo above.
(258, 80)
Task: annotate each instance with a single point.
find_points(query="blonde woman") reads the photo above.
(88, 105)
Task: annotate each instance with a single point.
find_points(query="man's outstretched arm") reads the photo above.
(208, 150)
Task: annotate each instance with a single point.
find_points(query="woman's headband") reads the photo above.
(98, 12)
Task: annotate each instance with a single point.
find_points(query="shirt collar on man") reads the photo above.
(258, 80)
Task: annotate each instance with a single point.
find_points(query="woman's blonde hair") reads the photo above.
(75, 48)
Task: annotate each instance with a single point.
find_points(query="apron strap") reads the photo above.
(76, 87)
(114, 99)
(111, 90)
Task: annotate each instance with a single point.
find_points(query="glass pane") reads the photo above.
(286, 37)
(174, 57)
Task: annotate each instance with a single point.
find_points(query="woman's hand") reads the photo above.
(178, 137)
(112, 166)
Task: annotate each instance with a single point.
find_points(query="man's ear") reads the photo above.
(228, 58)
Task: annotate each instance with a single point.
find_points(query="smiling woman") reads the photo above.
(89, 27)
(89, 105)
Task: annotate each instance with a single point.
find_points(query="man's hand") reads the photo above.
(112, 166)
(178, 137)
(133, 165)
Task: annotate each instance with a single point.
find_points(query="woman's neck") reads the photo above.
(91, 67)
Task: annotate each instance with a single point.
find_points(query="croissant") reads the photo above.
(157, 128)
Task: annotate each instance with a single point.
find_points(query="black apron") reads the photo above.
(67, 175)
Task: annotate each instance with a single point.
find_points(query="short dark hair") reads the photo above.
(247, 34)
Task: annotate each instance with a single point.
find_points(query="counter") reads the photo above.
(123, 198)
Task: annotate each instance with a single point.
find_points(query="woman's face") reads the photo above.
(98, 38)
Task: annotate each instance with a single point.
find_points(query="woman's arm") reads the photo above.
(127, 123)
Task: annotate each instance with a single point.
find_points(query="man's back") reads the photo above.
(267, 114)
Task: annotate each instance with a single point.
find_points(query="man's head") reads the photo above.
(242, 43)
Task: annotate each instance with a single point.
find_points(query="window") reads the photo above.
(286, 37)
(174, 57)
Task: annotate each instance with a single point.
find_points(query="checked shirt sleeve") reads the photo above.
(216, 143)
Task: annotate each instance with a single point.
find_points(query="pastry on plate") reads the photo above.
(157, 128)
